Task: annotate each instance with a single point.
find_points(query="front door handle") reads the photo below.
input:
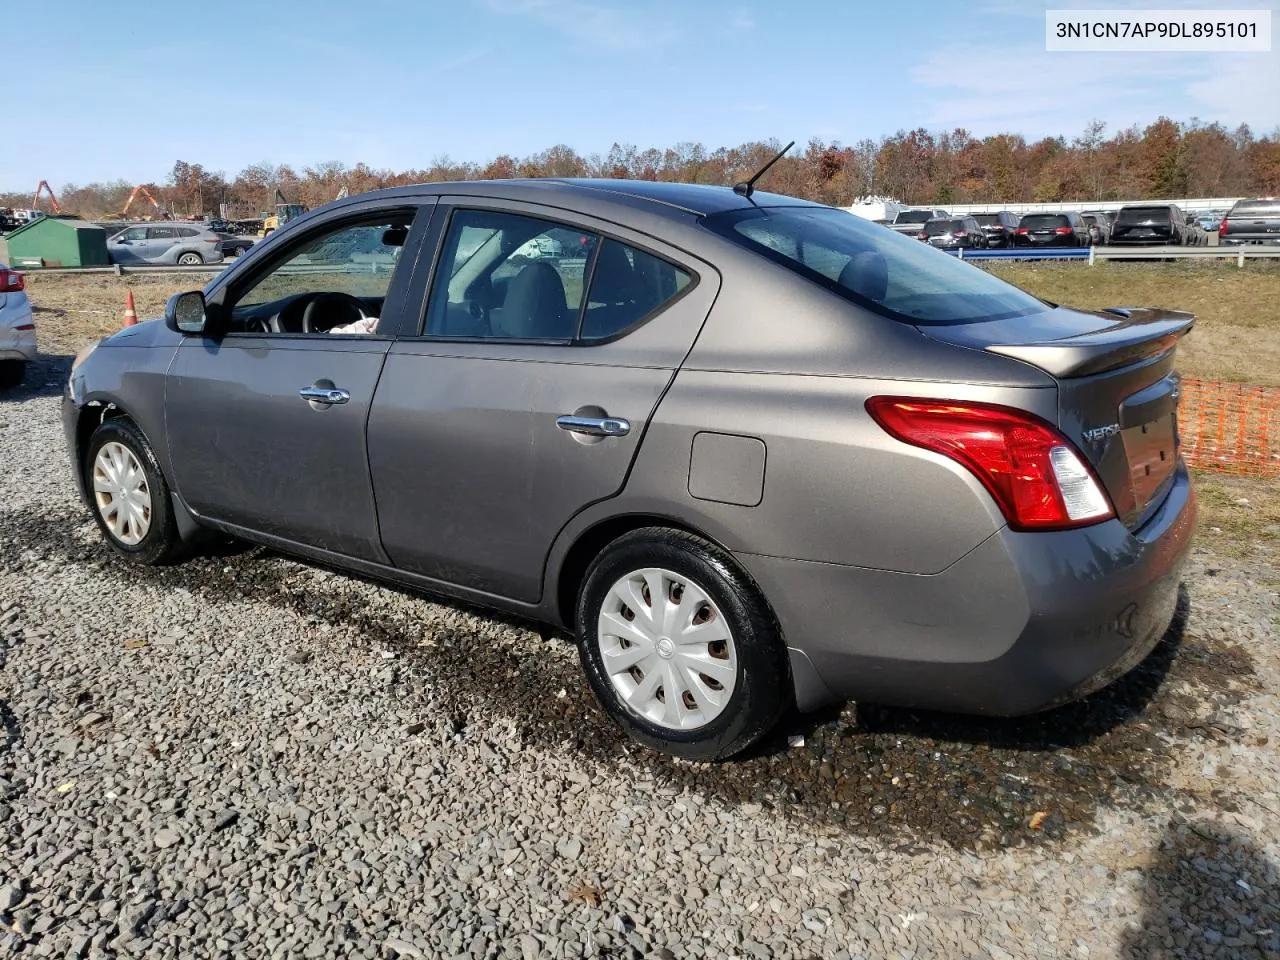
(595, 426)
(324, 395)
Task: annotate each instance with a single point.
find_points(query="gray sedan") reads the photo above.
(751, 451)
(166, 243)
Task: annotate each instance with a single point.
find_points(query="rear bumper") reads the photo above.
(16, 344)
(1022, 623)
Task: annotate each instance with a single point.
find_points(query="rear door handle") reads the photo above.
(324, 395)
(595, 426)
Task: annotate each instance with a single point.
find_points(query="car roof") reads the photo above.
(700, 199)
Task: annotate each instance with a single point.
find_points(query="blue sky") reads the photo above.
(123, 89)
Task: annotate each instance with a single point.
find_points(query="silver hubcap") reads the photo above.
(121, 493)
(667, 649)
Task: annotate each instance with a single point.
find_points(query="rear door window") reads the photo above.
(882, 270)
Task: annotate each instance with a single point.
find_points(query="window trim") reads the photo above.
(588, 276)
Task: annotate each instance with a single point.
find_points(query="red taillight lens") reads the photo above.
(1063, 230)
(1222, 228)
(960, 233)
(11, 280)
(1029, 468)
(1022, 231)
(922, 236)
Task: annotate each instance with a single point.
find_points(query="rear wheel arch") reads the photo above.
(589, 544)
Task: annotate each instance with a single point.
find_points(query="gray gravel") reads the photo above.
(245, 756)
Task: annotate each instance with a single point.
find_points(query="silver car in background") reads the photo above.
(750, 451)
(171, 243)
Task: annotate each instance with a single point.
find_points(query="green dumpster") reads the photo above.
(58, 242)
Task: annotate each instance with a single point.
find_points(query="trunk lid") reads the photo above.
(1117, 389)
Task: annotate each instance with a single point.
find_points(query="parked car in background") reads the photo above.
(1099, 227)
(1150, 223)
(998, 227)
(911, 222)
(17, 328)
(952, 233)
(165, 243)
(1251, 222)
(233, 246)
(1052, 230)
(589, 449)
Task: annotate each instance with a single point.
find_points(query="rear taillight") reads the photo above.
(1022, 231)
(1031, 470)
(11, 280)
(960, 233)
(998, 228)
(216, 241)
(1063, 230)
(922, 236)
(1222, 228)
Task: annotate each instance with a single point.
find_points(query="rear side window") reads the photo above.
(1040, 221)
(884, 271)
(626, 287)
(161, 233)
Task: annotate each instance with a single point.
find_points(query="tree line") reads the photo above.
(1163, 160)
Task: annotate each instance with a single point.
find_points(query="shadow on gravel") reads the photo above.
(1207, 890)
(908, 776)
(45, 377)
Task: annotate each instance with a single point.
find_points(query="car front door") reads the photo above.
(266, 422)
(519, 401)
(129, 246)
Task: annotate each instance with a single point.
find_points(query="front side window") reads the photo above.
(508, 276)
(134, 233)
(336, 277)
(876, 268)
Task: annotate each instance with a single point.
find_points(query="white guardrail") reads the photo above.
(1091, 255)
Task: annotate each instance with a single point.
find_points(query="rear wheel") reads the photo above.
(679, 646)
(190, 259)
(11, 373)
(129, 495)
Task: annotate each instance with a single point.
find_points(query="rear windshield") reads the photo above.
(914, 216)
(884, 271)
(1256, 208)
(936, 228)
(987, 219)
(1039, 221)
(1143, 214)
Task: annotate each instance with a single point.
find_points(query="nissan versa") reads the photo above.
(750, 450)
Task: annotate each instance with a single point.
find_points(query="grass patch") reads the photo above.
(1237, 333)
(1239, 517)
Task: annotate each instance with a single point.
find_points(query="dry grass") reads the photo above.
(1239, 517)
(1237, 334)
(75, 309)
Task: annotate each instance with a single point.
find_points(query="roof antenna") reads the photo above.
(747, 187)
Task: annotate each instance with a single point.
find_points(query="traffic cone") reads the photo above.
(130, 313)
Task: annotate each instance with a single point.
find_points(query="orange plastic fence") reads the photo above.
(1230, 427)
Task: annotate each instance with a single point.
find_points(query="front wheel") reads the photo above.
(679, 646)
(190, 260)
(129, 494)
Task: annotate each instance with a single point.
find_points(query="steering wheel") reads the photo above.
(333, 303)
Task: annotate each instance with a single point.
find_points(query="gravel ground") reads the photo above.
(245, 756)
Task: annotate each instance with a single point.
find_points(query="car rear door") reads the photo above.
(266, 427)
(159, 242)
(485, 438)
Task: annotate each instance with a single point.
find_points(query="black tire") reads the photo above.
(763, 688)
(11, 373)
(161, 544)
(190, 259)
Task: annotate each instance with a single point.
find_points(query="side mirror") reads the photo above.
(119, 240)
(185, 313)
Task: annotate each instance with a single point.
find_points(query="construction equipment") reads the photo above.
(53, 200)
(162, 213)
(285, 211)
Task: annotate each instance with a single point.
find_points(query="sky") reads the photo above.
(121, 90)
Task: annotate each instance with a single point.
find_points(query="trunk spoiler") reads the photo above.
(1144, 333)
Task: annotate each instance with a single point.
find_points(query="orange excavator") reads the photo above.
(160, 211)
(53, 201)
